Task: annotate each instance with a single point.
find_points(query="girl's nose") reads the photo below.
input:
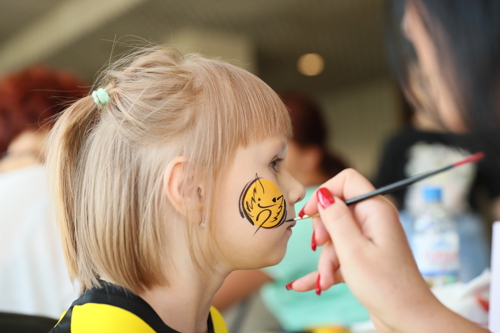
(296, 190)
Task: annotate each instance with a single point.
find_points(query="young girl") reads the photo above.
(166, 179)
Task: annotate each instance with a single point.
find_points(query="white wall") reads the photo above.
(360, 119)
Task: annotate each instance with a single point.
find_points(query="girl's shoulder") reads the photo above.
(112, 309)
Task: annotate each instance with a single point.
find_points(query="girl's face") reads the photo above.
(442, 96)
(257, 197)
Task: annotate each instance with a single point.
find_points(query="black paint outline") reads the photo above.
(245, 214)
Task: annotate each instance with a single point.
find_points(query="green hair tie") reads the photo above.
(101, 97)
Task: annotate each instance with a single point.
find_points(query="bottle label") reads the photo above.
(437, 255)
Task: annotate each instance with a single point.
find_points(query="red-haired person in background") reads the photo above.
(33, 274)
(311, 163)
(29, 99)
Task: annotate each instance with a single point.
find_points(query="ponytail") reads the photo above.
(65, 145)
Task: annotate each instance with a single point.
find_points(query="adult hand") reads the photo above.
(365, 246)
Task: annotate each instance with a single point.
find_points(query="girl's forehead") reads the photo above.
(267, 147)
(271, 142)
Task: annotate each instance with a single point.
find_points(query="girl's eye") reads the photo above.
(274, 164)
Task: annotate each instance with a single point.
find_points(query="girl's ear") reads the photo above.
(181, 187)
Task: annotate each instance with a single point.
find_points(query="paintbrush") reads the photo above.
(403, 183)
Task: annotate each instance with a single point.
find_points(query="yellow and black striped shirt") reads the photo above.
(111, 309)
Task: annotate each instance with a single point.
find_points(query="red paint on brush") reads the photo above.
(469, 159)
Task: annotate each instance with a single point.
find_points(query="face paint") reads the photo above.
(262, 203)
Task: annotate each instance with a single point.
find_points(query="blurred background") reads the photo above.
(332, 49)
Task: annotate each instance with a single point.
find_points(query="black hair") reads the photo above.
(469, 55)
(466, 35)
(400, 51)
(403, 61)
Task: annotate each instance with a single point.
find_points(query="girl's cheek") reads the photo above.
(263, 204)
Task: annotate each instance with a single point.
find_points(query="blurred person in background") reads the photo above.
(311, 163)
(33, 274)
(457, 43)
(425, 145)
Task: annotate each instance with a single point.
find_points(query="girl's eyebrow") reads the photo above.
(283, 147)
(280, 151)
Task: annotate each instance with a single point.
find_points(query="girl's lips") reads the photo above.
(291, 225)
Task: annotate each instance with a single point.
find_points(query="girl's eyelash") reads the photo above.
(274, 163)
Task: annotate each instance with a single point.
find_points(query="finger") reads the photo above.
(349, 184)
(320, 233)
(310, 208)
(306, 283)
(329, 267)
(340, 223)
(375, 220)
(346, 185)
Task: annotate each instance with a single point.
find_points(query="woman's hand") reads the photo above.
(365, 246)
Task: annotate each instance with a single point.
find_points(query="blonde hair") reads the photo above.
(106, 164)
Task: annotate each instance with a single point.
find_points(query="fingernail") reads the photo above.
(318, 288)
(325, 198)
(301, 213)
(289, 285)
(313, 241)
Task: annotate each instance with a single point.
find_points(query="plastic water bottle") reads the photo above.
(436, 241)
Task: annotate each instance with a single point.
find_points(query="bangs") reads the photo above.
(242, 108)
(258, 111)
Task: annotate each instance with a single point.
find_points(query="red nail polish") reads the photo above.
(301, 213)
(313, 241)
(289, 285)
(325, 198)
(318, 288)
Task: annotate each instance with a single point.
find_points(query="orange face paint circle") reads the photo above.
(263, 204)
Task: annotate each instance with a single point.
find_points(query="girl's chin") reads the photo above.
(277, 257)
(270, 260)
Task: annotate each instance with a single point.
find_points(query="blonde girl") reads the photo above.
(167, 178)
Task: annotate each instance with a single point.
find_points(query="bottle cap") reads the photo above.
(432, 193)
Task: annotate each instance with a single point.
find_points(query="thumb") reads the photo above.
(339, 221)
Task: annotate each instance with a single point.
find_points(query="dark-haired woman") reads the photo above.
(457, 44)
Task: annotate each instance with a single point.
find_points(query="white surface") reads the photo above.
(494, 319)
(459, 297)
(462, 298)
(33, 274)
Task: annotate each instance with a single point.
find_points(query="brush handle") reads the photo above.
(396, 186)
(402, 183)
(385, 189)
